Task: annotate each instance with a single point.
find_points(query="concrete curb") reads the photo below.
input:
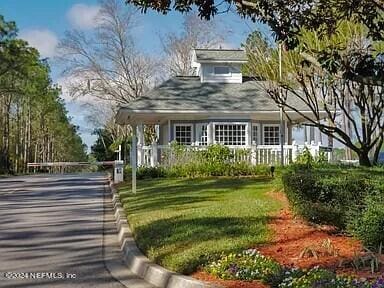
(140, 264)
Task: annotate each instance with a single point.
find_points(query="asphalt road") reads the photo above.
(54, 225)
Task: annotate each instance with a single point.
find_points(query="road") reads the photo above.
(54, 224)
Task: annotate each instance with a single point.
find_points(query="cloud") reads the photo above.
(43, 40)
(79, 109)
(66, 82)
(83, 16)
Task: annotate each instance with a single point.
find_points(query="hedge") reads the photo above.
(339, 196)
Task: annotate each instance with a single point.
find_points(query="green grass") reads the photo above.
(183, 223)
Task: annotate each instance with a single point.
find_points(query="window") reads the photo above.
(202, 135)
(183, 134)
(271, 134)
(230, 134)
(255, 134)
(221, 70)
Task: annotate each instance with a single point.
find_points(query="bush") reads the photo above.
(251, 265)
(328, 196)
(216, 160)
(317, 277)
(248, 265)
(369, 225)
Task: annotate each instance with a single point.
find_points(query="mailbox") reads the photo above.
(118, 172)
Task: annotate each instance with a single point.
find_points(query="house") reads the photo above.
(218, 105)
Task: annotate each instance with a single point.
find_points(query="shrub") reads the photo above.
(327, 196)
(251, 265)
(317, 277)
(150, 172)
(248, 265)
(369, 224)
(306, 158)
(216, 160)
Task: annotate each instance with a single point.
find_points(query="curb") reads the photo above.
(140, 264)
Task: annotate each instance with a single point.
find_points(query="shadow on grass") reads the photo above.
(165, 193)
(183, 244)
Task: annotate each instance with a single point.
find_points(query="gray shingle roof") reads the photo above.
(189, 94)
(220, 55)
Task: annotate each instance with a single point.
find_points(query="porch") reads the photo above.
(164, 155)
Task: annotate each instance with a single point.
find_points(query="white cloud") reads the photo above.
(79, 108)
(70, 81)
(43, 40)
(83, 16)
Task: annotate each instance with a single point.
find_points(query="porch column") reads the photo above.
(210, 133)
(140, 144)
(157, 132)
(295, 151)
(134, 158)
(154, 154)
(289, 157)
(289, 133)
(169, 132)
(249, 134)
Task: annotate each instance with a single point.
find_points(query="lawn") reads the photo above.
(183, 223)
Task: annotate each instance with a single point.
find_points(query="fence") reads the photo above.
(161, 155)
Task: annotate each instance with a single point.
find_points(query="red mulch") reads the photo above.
(291, 237)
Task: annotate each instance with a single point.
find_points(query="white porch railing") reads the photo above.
(155, 155)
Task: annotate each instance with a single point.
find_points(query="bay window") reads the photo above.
(230, 134)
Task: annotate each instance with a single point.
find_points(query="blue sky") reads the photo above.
(43, 23)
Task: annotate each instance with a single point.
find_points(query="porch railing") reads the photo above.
(156, 155)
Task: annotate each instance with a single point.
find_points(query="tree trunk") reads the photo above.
(364, 158)
(377, 151)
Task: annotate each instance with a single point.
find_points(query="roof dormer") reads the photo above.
(219, 65)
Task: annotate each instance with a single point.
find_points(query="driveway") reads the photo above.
(53, 233)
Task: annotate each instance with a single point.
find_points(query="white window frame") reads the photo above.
(221, 66)
(232, 123)
(183, 125)
(258, 136)
(199, 130)
(270, 125)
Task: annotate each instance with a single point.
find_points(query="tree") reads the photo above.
(341, 73)
(101, 148)
(196, 33)
(285, 18)
(351, 73)
(256, 43)
(110, 136)
(108, 66)
(34, 125)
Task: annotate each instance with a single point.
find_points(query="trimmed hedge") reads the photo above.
(339, 196)
(368, 225)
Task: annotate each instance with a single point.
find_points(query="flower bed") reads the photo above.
(252, 265)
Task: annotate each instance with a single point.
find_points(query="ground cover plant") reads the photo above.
(184, 223)
(252, 265)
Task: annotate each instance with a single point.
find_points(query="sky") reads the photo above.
(43, 23)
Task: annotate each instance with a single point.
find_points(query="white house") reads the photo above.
(219, 105)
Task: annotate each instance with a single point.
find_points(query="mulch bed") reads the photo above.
(291, 236)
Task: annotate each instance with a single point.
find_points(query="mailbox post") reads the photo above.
(118, 171)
